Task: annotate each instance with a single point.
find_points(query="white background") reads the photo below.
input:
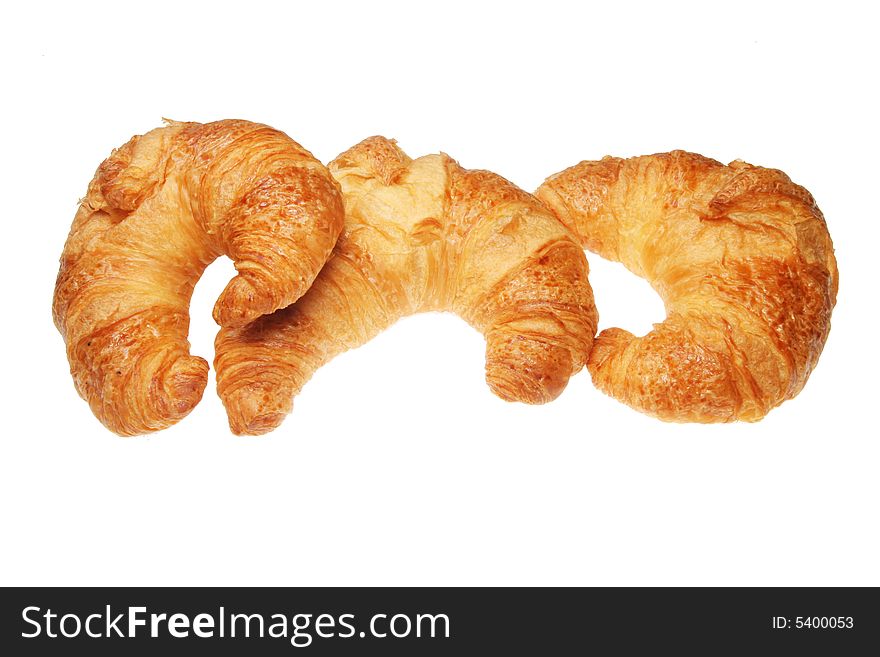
(398, 466)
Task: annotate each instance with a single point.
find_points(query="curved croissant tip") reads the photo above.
(237, 304)
(511, 386)
(184, 383)
(256, 409)
(530, 371)
(259, 424)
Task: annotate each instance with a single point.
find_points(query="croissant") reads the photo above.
(157, 212)
(743, 261)
(422, 235)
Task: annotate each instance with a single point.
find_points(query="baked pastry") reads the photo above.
(422, 235)
(743, 261)
(157, 212)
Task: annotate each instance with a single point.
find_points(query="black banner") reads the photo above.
(418, 621)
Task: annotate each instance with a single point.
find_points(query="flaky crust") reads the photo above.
(157, 212)
(743, 261)
(422, 235)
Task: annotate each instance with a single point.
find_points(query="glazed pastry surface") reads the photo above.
(743, 261)
(422, 235)
(157, 212)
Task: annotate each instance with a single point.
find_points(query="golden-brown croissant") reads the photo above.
(422, 235)
(743, 261)
(158, 210)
